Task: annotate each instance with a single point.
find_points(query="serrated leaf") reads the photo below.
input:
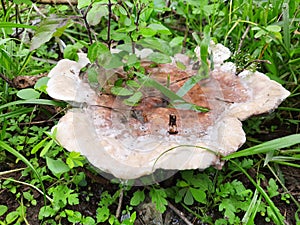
(158, 197)
(46, 30)
(137, 198)
(120, 91)
(28, 93)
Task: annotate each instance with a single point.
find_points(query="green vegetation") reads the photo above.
(41, 183)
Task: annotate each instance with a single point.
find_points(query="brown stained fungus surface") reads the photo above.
(131, 142)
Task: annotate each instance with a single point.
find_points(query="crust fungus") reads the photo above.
(132, 142)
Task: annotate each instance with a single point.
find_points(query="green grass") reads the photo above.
(253, 30)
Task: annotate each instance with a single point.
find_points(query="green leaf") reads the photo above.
(96, 13)
(46, 30)
(134, 99)
(159, 28)
(147, 32)
(28, 93)
(273, 28)
(158, 197)
(158, 57)
(57, 166)
(177, 41)
(199, 195)
(3, 209)
(95, 50)
(41, 84)
(46, 148)
(137, 198)
(11, 217)
(83, 3)
(102, 214)
(188, 198)
(38, 146)
(272, 188)
(120, 91)
(229, 208)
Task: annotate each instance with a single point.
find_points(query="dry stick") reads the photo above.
(118, 212)
(10, 83)
(179, 213)
(243, 38)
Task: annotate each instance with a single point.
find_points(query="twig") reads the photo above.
(118, 212)
(243, 38)
(109, 5)
(87, 26)
(7, 80)
(179, 213)
(38, 10)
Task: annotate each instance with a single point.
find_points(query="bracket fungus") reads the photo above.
(130, 142)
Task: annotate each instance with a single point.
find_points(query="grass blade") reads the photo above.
(267, 146)
(34, 102)
(21, 157)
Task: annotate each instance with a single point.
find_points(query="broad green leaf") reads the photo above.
(96, 13)
(120, 91)
(28, 93)
(147, 32)
(83, 3)
(134, 99)
(137, 198)
(176, 41)
(133, 84)
(95, 50)
(159, 28)
(41, 84)
(188, 198)
(199, 195)
(273, 28)
(46, 30)
(3, 209)
(11, 217)
(115, 61)
(56, 166)
(160, 58)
